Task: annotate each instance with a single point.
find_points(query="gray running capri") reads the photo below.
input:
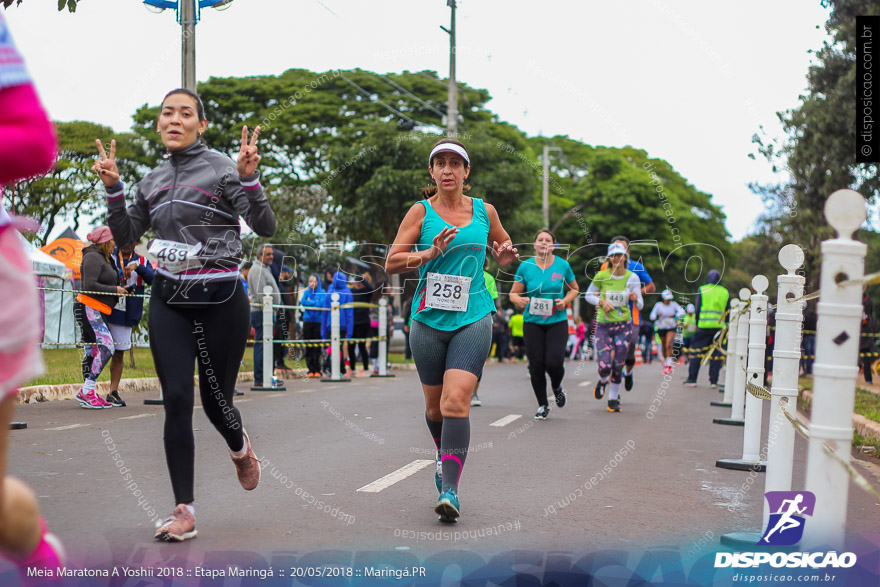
(436, 351)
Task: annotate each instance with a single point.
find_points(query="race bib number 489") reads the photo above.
(447, 292)
(173, 256)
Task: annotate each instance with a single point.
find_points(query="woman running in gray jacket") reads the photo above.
(198, 309)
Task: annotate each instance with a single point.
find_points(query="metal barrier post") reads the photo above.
(268, 383)
(754, 407)
(335, 344)
(738, 399)
(155, 402)
(730, 362)
(786, 365)
(835, 370)
(383, 344)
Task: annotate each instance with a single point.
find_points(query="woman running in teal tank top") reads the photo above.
(445, 237)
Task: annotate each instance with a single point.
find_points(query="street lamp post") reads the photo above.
(452, 94)
(545, 200)
(188, 15)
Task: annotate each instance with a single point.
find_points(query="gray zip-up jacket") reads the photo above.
(196, 196)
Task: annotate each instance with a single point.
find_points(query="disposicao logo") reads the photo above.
(786, 525)
(786, 528)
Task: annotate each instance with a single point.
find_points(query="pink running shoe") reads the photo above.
(82, 399)
(179, 527)
(96, 402)
(247, 466)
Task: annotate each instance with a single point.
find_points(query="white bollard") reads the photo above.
(729, 360)
(786, 366)
(335, 343)
(738, 398)
(754, 408)
(268, 383)
(383, 344)
(835, 370)
(156, 402)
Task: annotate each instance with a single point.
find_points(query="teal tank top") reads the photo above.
(464, 256)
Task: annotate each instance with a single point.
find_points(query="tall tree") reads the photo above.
(818, 153)
(62, 4)
(71, 189)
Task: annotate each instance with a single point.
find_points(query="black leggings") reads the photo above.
(312, 331)
(545, 350)
(213, 336)
(361, 330)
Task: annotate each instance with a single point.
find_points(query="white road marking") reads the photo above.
(584, 383)
(398, 475)
(135, 417)
(241, 401)
(275, 395)
(70, 427)
(506, 420)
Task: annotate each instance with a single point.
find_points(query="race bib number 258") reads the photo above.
(448, 292)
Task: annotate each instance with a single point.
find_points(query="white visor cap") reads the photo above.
(451, 147)
(616, 249)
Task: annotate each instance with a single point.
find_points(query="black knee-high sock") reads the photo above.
(454, 443)
(435, 428)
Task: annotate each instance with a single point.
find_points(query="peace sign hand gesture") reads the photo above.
(105, 167)
(247, 156)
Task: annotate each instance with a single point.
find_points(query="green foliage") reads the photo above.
(72, 189)
(818, 153)
(70, 4)
(344, 156)
(598, 193)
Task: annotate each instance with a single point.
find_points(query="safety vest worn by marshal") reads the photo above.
(714, 300)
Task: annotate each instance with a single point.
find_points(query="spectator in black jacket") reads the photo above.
(135, 272)
(866, 343)
(283, 325)
(808, 340)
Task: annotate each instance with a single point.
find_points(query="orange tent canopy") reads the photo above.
(68, 251)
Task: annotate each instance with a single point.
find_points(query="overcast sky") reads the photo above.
(687, 81)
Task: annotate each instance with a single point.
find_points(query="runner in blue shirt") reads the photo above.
(544, 286)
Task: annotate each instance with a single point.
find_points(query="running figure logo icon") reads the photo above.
(787, 511)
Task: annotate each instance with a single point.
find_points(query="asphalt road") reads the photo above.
(583, 480)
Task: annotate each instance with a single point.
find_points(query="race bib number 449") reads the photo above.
(447, 292)
(616, 298)
(173, 256)
(540, 306)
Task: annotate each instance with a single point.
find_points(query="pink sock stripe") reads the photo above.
(457, 460)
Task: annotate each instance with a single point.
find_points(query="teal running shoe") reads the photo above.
(448, 507)
(438, 475)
